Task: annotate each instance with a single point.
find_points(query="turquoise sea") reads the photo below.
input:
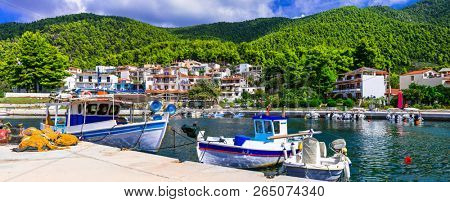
(377, 148)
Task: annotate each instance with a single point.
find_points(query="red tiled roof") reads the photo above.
(199, 77)
(231, 78)
(394, 91)
(164, 76)
(366, 69)
(416, 72)
(165, 91)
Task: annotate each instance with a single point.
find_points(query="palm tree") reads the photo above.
(205, 90)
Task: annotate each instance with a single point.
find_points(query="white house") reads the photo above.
(243, 68)
(361, 83)
(105, 69)
(427, 77)
(231, 87)
(92, 80)
(445, 74)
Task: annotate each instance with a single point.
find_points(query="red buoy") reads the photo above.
(408, 160)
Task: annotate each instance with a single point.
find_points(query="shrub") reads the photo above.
(348, 102)
(314, 103)
(303, 103)
(331, 103)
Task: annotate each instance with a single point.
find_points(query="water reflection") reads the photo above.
(376, 148)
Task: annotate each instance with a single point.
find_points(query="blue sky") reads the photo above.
(174, 13)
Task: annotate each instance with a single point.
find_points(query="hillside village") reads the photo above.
(170, 83)
(173, 82)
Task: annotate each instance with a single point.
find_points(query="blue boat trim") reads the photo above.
(115, 131)
(265, 117)
(241, 151)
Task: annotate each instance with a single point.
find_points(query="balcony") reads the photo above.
(347, 90)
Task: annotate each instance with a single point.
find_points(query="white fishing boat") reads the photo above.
(268, 146)
(238, 115)
(218, 115)
(311, 161)
(312, 115)
(96, 119)
(358, 113)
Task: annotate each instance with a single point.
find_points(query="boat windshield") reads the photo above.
(276, 127)
(259, 127)
(268, 127)
(114, 110)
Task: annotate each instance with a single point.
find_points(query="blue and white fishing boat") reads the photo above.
(238, 115)
(311, 162)
(96, 119)
(269, 146)
(218, 115)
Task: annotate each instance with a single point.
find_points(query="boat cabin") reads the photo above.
(266, 126)
(92, 111)
(85, 111)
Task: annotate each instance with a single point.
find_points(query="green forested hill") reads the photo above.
(89, 39)
(236, 32)
(399, 42)
(396, 38)
(433, 11)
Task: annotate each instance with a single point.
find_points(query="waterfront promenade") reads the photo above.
(89, 162)
(439, 115)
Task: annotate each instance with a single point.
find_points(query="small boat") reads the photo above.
(311, 161)
(312, 115)
(268, 146)
(238, 115)
(358, 113)
(96, 119)
(218, 115)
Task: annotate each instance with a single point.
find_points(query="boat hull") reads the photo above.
(237, 157)
(316, 174)
(139, 136)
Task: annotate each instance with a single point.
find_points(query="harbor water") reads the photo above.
(376, 148)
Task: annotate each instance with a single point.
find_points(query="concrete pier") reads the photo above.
(89, 162)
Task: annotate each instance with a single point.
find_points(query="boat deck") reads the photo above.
(89, 162)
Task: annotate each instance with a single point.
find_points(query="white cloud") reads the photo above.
(157, 12)
(171, 13)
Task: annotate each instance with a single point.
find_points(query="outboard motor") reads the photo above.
(338, 144)
(191, 131)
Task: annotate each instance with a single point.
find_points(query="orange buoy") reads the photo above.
(408, 160)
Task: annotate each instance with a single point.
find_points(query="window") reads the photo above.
(80, 107)
(259, 127)
(90, 78)
(102, 109)
(268, 126)
(114, 109)
(276, 127)
(92, 109)
(80, 78)
(412, 78)
(108, 79)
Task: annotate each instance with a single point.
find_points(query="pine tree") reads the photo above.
(34, 64)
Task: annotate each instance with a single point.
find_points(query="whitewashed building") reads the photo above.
(361, 83)
(231, 87)
(426, 77)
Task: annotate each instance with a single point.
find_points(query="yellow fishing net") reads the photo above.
(50, 134)
(36, 142)
(67, 140)
(46, 139)
(32, 131)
